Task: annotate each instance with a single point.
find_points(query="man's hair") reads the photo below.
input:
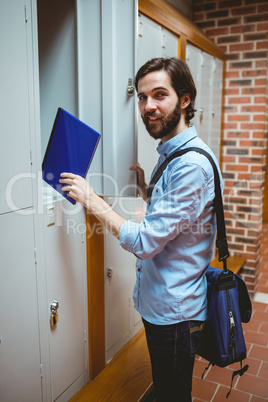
(180, 77)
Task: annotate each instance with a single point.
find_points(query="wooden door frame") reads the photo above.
(95, 296)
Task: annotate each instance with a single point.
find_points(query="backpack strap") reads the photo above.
(235, 373)
(221, 242)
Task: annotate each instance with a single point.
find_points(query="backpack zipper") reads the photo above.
(232, 326)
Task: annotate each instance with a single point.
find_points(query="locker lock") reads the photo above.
(201, 114)
(54, 318)
(130, 88)
(110, 272)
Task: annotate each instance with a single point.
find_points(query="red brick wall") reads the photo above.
(240, 29)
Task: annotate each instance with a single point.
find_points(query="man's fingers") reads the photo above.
(68, 175)
(66, 181)
(136, 167)
(66, 188)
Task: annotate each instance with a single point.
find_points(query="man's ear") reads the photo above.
(185, 101)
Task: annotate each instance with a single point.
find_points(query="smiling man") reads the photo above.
(174, 243)
(159, 106)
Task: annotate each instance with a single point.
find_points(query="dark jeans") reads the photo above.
(172, 351)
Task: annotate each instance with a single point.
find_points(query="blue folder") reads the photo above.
(71, 148)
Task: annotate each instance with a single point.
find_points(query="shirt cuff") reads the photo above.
(128, 234)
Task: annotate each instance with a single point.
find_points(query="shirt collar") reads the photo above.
(176, 142)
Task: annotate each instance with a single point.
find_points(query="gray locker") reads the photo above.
(119, 20)
(193, 59)
(216, 110)
(30, 350)
(57, 62)
(63, 225)
(207, 72)
(20, 377)
(65, 257)
(15, 151)
(122, 321)
(101, 61)
(153, 41)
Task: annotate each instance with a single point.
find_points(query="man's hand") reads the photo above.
(80, 190)
(142, 186)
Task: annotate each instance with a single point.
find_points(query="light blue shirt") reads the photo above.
(175, 241)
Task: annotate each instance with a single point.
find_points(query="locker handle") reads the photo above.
(130, 88)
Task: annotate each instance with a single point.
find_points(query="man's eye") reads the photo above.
(161, 94)
(142, 98)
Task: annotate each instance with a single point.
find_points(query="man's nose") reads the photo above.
(150, 105)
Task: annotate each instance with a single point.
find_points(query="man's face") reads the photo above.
(159, 104)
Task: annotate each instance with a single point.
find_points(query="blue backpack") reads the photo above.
(222, 340)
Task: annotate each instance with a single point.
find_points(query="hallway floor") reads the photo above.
(253, 385)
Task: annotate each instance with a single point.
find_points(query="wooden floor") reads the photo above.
(127, 378)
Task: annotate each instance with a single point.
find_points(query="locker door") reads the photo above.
(149, 44)
(15, 163)
(148, 48)
(215, 130)
(107, 35)
(20, 377)
(63, 224)
(193, 59)
(207, 74)
(65, 257)
(57, 62)
(169, 44)
(121, 319)
(153, 41)
(206, 97)
(89, 54)
(118, 32)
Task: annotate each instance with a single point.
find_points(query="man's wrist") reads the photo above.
(92, 201)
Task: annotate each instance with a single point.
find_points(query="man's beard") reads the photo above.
(165, 126)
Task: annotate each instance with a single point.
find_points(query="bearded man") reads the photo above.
(175, 241)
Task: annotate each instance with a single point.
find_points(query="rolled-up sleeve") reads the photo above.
(176, 205)
(129, 232)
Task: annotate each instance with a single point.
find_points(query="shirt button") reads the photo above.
(149, 202)
(165, 154)
(139, 270)
(157, 190)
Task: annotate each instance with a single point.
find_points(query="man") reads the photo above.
(174, 243)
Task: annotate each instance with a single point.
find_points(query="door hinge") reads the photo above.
(85, 335)
(140, 29)
(25, 13)
(202, 60)
(41, 370)
(31, 156)
(188, 52)
(35, 256)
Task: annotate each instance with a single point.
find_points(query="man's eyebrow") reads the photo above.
(157, 89)
(154, 89)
